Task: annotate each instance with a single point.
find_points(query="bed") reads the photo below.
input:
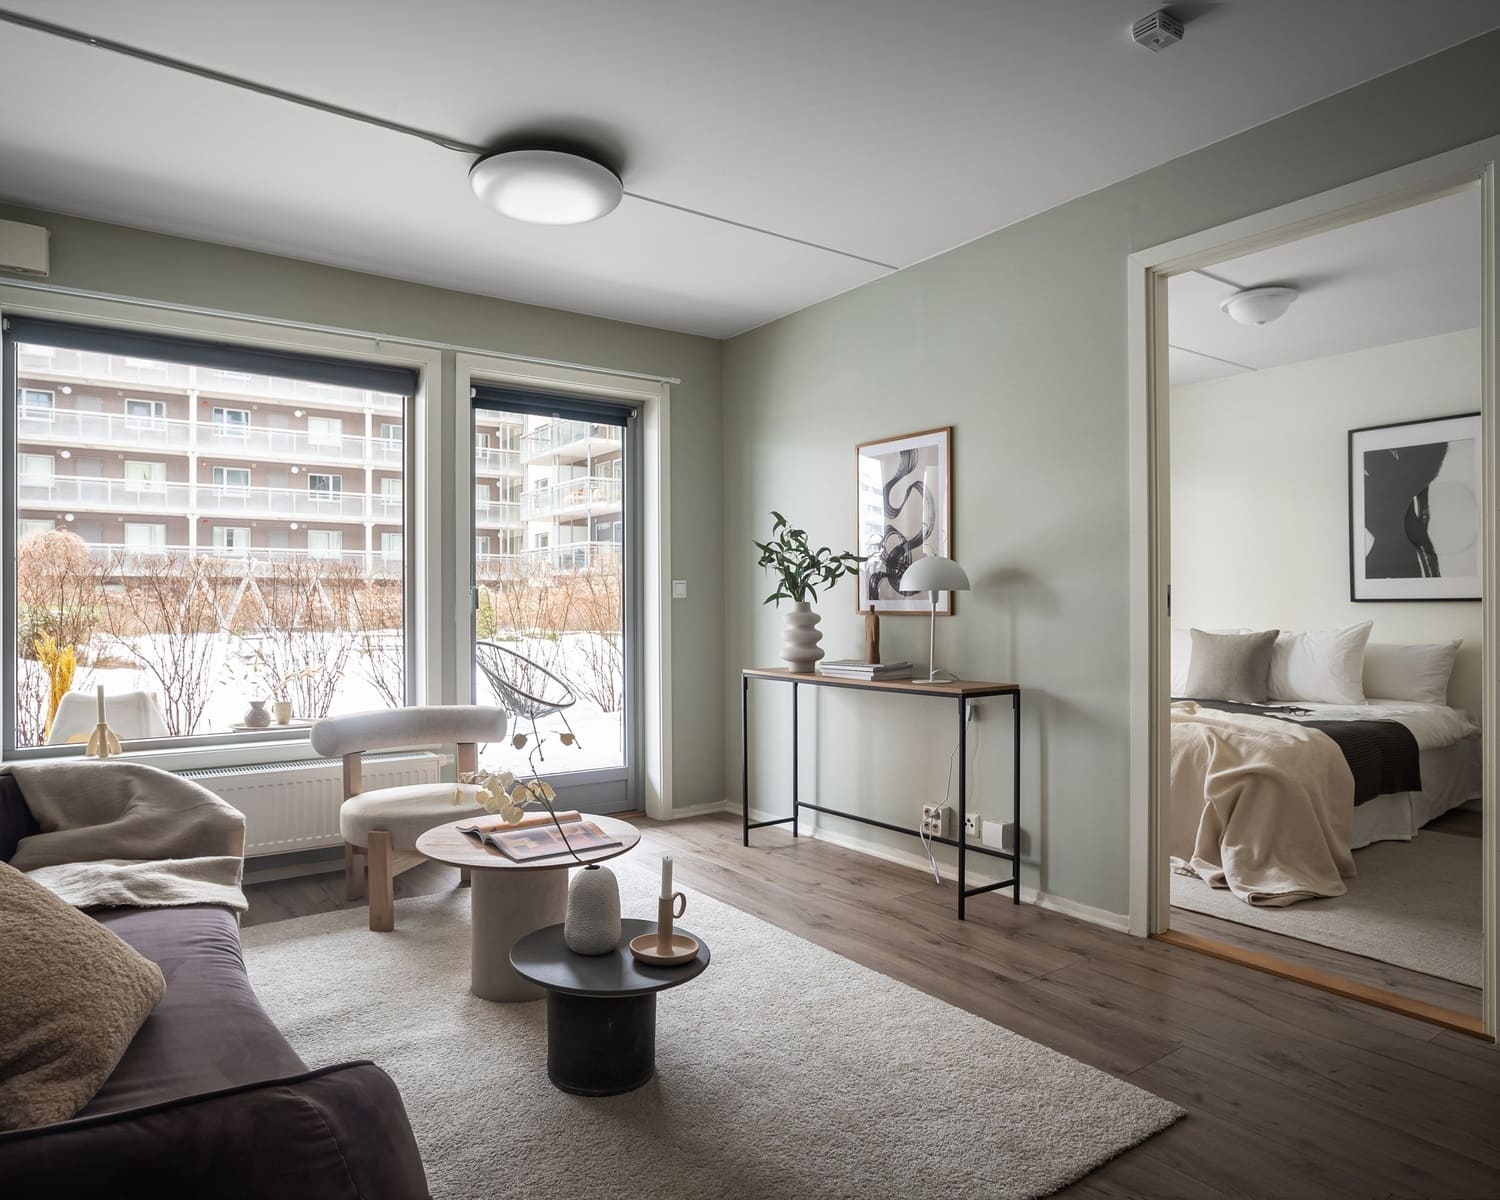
(1270, 796)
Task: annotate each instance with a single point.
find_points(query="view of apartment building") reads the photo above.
(139, 456)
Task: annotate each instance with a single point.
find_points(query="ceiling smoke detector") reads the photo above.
(1158, 31)
(1259, 306)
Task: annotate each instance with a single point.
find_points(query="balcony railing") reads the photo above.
(288, 502)
(64, 364)
(72, 491)
(79, 429)
(586, 495)
(127, 560)
(491, 461)
(497, 514)
(557, 437)
(176, 499)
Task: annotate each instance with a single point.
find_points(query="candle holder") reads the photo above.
(102, 742)
(666, 947)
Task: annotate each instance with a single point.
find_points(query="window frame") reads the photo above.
(420, 415)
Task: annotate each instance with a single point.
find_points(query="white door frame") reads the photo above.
(1150, 531)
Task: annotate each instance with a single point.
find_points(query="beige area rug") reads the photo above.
(1416, 904)
(783, 1071)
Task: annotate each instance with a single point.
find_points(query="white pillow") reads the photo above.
(1410, 672)
(1182, 656)
(1321, 666)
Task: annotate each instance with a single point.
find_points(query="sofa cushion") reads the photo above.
(406, 812)
(16, 821)
(72, 996)
(209, 1032)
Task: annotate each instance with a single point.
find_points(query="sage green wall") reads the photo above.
(129, 262)
(1018, 340)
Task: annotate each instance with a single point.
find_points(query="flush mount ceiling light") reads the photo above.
(546, 187)
(1259, 306)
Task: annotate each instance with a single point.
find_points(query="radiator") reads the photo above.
(295, 806)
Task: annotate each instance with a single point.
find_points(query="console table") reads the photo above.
(959, 692)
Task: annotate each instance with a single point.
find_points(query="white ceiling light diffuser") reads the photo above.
(1259, 306)
(546, 187)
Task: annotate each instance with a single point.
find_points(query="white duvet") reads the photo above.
(1435, 726)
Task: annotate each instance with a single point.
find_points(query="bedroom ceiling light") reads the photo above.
(546, 187)
(1259, 306)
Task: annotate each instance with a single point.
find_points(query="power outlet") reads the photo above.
(972, 825)
(935, 820)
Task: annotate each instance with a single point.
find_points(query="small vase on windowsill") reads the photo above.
(256, 716)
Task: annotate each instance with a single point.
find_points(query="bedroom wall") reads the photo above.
(1019, 341)
(1260, 501)
(115, 260)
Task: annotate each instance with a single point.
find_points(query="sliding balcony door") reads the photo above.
(556, 577)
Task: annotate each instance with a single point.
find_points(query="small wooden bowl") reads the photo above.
(646, 948)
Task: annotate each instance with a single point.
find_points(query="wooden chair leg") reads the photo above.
(354, 872)
(382, 881)
(463, 876)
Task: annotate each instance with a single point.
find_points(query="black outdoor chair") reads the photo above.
(525, 688)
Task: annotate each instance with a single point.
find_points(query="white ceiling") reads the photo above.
(885, 129)
(1408, 274)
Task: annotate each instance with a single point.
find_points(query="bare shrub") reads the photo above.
(166, 619)
(379, 621)
(59, 591)
(33, 700)
(303, 628)
(597, 619)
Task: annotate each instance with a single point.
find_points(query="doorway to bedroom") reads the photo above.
(1322, 533)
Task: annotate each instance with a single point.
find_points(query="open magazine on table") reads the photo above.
(536, 836)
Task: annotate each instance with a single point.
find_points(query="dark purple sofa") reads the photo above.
(210, 1100)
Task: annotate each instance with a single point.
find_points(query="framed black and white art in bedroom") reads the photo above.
(904, 498)
(1414, 510)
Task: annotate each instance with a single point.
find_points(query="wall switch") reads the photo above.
(679, 589)
(998, 835)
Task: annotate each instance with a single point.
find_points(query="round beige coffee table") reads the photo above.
(510, 899)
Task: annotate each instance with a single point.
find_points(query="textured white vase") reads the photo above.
(800, 636)
(593, 922)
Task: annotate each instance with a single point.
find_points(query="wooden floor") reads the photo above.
(1291, 1092)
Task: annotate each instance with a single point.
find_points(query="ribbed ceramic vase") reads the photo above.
(800, 636)
(593, 921)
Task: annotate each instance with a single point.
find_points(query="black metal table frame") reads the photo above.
(961, 841)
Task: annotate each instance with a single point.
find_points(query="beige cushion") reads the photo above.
(406, 812)
(72, 995)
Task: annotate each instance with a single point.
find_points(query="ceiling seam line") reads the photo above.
(456, 145)
(1228, 362)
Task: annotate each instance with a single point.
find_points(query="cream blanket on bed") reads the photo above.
(119, 833)
(1260, 806)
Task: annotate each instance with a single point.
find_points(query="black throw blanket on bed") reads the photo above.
(1382, 755)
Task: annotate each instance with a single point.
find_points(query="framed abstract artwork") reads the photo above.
(904, 501)
(1414, 510)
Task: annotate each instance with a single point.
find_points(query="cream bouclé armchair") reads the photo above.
(380, 828)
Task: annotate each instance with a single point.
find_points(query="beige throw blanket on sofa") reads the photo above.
(1260, 806)
(119, 833)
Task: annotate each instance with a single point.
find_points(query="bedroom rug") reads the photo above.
(784, 1070)
(1414, 904)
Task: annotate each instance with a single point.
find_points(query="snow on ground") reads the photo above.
(600, 734)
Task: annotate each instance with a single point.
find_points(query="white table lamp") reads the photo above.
(934, 574)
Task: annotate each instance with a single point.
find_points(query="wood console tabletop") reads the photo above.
(959, 692)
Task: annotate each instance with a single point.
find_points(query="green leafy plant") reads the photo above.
(801, 570)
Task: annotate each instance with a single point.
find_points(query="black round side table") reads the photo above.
(601, 1009)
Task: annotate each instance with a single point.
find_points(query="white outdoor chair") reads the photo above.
(380, 828)
(132, 715)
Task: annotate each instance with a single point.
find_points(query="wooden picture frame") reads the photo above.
(1415, 515)
(903, 504)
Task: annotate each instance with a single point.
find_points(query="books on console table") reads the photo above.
(532, 841)
(853, 668)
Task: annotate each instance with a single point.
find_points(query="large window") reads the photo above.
(141, 564)
(552, 565)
